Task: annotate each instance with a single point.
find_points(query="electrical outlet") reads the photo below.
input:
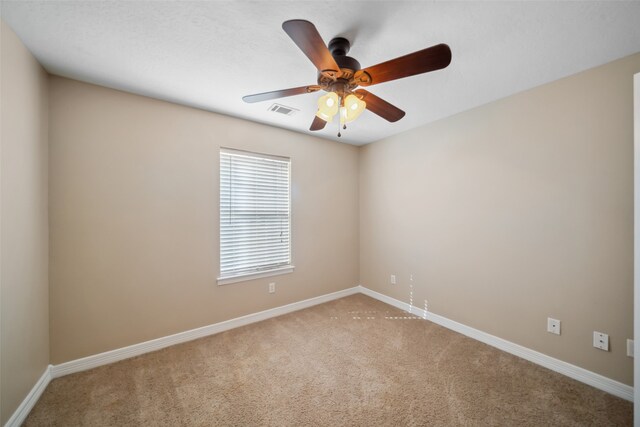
(553, 326)
(601, 340)
(630, 348)
(272, 288)
(393, 279)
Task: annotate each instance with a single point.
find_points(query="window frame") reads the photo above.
(275, 271)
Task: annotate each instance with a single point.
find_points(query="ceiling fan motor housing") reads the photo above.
(342, 81)
(339, 47)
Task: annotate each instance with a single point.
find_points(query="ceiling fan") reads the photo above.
(340, 75)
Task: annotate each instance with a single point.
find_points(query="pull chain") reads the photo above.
(344, 126)
(339, 115)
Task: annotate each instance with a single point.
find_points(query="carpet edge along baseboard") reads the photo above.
(585, 376)
(127, 352)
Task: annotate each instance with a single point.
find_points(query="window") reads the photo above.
(255, 216)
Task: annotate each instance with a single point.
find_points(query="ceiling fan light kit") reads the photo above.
(340, 76)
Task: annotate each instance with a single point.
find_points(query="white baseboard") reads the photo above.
(580, 374)
(27, 404)
(159, 343)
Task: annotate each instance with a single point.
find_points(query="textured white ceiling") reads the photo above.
(209, 54)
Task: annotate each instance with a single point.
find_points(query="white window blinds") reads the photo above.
(255, 220)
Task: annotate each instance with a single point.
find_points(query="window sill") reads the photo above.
(250, 276)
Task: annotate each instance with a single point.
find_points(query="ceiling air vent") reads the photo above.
(283, 109)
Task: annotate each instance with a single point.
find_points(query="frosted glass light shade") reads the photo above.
(328, 106)
(353, 107)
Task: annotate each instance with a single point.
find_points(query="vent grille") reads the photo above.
(282, 109)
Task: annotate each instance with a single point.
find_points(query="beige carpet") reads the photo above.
(350, 362)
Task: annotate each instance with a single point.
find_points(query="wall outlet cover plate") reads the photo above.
(553, 326)
(601, 340)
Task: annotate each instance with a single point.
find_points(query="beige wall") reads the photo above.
(512, 212)
(134, 218)
(24, 303)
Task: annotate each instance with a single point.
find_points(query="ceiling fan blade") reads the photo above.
(279, 93)
(425, 60)
(306, 36)
(317, 124)
(380, 107)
